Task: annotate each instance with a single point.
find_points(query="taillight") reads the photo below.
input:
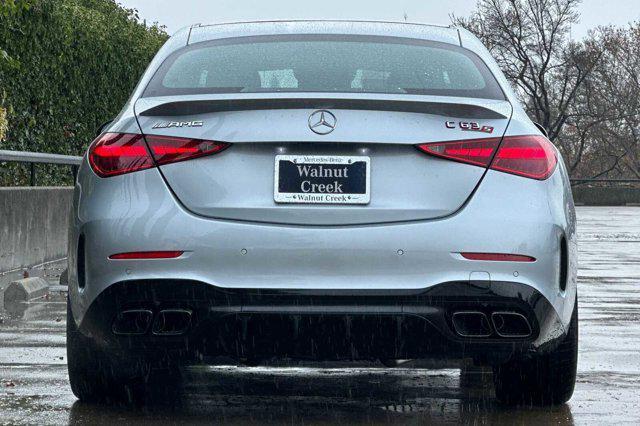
(115, 154)
(529, 156)
(478, 151)
(166, 149)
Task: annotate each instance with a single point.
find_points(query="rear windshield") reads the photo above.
(345, 64)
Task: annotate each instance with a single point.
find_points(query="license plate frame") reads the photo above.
(334, 162)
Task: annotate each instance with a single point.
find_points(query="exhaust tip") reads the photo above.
(172, 322)
(511, 324)
(471, 324)
(132, 322)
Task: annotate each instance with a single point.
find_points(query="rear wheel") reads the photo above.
(548, 379)
(96, 376)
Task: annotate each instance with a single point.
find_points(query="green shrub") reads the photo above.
(68, 66)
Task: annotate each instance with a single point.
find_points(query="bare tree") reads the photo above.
(609, 102)
(530, 41)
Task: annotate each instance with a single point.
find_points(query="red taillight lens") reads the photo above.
(529, 156)
(478, 151)
(166, 149)
(147, 255)
(115, 154)
(498, 257)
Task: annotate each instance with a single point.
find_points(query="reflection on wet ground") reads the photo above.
(34, 389)
(335, 395)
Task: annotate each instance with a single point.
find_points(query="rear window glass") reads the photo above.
(324, 64)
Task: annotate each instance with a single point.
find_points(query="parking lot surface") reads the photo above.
(34, 388)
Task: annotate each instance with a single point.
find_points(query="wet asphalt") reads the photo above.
(34, 387)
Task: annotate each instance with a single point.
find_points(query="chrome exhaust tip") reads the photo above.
(511, 324)
(471, 324)
(133, 322)
(172, 322)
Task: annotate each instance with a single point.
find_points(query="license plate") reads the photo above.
(322, 179)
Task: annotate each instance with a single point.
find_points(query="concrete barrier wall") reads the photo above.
(33, 225)
(606, 196)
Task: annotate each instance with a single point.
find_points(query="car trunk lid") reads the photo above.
(405, 184)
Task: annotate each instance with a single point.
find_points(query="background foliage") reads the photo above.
(66, 67)
(584, 92)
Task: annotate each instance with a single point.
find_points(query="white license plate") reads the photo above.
(322, 179)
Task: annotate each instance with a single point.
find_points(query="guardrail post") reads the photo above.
(33, 174)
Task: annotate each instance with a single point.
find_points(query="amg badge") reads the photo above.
(171, 124)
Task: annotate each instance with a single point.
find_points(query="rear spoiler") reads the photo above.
(466, 108)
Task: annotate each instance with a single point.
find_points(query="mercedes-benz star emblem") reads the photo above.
(322, 122)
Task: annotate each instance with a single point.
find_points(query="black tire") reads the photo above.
(545, 380)
(96, 376)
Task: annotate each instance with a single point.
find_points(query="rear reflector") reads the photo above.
(147, 255)
(115, 154)
(498, 257)
(528, 156)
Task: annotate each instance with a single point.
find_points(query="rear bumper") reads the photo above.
(136, 212)
(320, 325)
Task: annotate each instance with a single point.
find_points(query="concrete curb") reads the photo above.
(25, 289)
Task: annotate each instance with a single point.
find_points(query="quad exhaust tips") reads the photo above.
(168, 322)
(469, 324)
(504, 324)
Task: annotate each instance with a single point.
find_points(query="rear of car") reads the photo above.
(324, 190)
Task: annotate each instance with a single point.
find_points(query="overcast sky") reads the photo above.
(175, 14)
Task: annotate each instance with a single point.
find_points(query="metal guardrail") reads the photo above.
(575, 182)
(605, 180)
(33, 158)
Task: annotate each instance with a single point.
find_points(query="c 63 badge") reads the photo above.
(468, 126)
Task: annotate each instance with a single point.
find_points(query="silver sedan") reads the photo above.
(323, 191)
